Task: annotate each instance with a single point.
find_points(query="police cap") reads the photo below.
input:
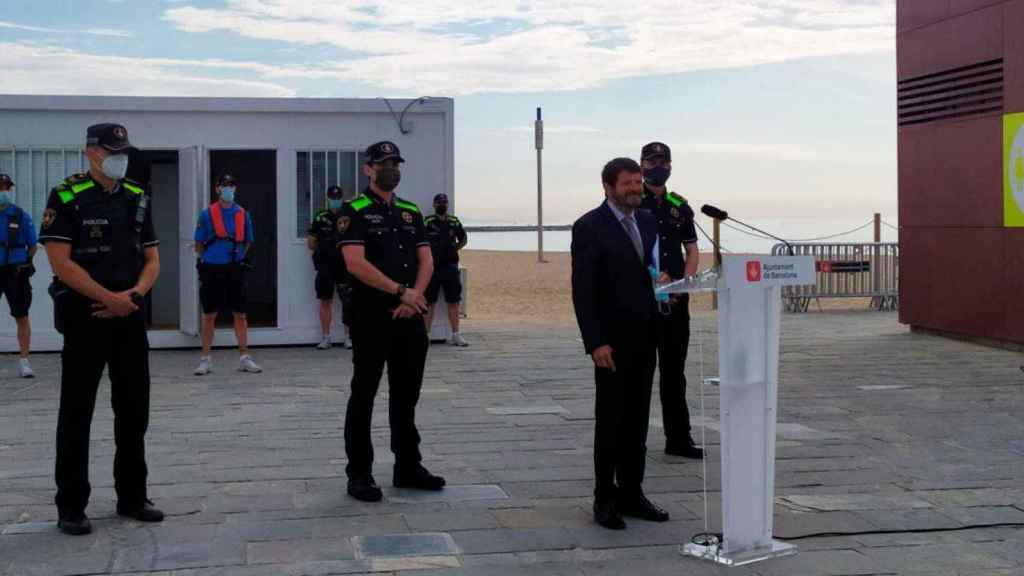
(382, 151)
(5, 182)
(441, 198)
(112, 137)
(335, 192)
(227, 180)
(656, 150)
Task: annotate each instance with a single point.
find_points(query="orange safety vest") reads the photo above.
(217, 216)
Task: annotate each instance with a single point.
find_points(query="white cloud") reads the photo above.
(107, 32)
(458, 47)
(41, 69)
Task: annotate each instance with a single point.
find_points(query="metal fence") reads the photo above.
(847, 270)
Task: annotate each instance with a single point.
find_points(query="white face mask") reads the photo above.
(116, 166)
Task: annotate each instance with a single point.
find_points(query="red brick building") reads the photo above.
(961, 77)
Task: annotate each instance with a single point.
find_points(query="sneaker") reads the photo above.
(457, 340)
(205, 367)
(364, 488)
(347, 343)
(74, 524)
(25, 369)
(325, 343)
(246, 364)
(416, 476)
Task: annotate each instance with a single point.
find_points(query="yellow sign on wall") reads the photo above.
(1013, 170)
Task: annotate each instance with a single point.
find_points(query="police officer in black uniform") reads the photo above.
(99, 238)
(676, 232)
(331, 276)
(388, 257)
(447, 237)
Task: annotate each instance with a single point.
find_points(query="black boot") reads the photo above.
(416, 476)
(74, 524)
(363, 487)
(144, 513)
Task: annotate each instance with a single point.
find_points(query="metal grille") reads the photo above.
(965, 91)
(316, 170)
(847, 270)
(36, 171)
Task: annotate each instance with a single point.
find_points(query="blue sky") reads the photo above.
(773, 108)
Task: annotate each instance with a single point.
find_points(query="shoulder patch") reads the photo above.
(407, 206)
(360, 203)
(430, 218)
(133, 188)
(675, 199)
(49, 215)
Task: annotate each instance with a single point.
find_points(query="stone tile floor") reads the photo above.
(880, 430)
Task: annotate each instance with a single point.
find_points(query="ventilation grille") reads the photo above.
(967, 91)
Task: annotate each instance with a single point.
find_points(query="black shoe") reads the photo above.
(642, 508)
(144, 513)
(416, 476)
(606, 515)
(75, 524)
(685, 449)
(364, 488)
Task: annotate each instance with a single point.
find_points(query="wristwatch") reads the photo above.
(137, 299)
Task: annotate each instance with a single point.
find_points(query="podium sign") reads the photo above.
(749, 309)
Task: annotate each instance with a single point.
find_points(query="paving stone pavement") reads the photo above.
(880, 430)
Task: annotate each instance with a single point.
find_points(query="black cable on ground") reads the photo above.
(914, 531)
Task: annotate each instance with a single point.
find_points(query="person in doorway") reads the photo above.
(388, 256)
(223, 239)
(99, 238)
(678, 258)
(323, 240)
(16, 269)
(447, 237)
(613, 296)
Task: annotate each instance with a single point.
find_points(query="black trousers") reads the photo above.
(377, 340)
(622, 411)
(122, 347)
(673, 342)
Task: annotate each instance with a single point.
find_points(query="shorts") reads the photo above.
(445, 276)
(17, 288)
(222, 285)
(326, 284)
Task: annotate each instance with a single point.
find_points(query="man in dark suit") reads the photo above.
(613, 294)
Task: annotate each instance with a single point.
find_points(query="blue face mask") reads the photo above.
(227, 194)
(334, 203)
(5, 198)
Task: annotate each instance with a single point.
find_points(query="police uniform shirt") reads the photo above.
(219, 250)
(100, 226)
(445, 234)
(325, 229)
(675, 228)
(15, 224)
(391, 234)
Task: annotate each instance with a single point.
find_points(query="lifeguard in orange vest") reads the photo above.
(222, 240)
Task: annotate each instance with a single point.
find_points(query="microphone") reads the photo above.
(718, 214)
(713, 212)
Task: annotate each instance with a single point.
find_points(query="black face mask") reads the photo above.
(657, 176)
(441, 209)
(388, 178)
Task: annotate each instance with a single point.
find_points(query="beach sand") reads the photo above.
(514, 287)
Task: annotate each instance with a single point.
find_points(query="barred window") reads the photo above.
(318, 170)
(36, 171)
